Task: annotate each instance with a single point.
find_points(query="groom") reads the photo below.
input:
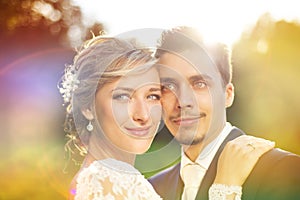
(196, 90)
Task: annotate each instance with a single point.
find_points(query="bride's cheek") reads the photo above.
(120, 114)
(156, 112)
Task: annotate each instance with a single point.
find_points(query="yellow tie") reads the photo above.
(192, 176)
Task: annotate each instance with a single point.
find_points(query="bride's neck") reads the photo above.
(101, 148)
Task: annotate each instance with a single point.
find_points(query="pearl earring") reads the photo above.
(90, 127)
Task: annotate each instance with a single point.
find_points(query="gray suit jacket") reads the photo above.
(275, 176)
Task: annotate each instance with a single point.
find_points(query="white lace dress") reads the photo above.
(111, 179)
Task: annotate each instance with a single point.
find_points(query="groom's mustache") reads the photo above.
(186, 115)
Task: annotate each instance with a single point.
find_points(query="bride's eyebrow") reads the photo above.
(127, 89)
(124, 89)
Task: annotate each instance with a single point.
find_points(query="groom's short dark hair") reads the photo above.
(183, 38)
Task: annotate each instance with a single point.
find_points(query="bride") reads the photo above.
(112, 97)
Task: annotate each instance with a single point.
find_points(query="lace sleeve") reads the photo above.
(108, 181)
(221, 192)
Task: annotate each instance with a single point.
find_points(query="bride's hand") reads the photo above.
(239, 158)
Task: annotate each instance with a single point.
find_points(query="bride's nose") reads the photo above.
(139, 111)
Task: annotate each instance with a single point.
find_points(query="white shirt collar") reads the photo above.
(207, 154)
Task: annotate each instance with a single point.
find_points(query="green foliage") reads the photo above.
(45, 18)
(266, 75)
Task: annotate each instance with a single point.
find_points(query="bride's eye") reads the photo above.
(121, 97)
(154, 97)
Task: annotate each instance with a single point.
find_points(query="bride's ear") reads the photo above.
(87, 113)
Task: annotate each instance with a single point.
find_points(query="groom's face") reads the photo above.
(193, 97)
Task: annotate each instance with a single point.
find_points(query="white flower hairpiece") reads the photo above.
(69, 83)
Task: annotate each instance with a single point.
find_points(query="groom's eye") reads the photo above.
(199, 84)
(166, 87)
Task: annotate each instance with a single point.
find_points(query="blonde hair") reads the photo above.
(99, 61)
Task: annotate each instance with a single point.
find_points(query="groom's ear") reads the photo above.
(87, 113)
(229, 90)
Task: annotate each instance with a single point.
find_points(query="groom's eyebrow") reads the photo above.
(203, 77)
(166, 79)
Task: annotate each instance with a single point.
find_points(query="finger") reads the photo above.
(258, 149)
(260, 143)
(255, 142)
(264, 147)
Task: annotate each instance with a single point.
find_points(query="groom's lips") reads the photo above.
(187, 120)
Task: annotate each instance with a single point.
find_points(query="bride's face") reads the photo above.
(129, 110)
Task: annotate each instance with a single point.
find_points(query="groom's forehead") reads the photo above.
(188, 62)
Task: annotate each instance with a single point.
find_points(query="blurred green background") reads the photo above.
(36, 41)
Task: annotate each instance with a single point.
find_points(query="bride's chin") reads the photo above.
(140, 149)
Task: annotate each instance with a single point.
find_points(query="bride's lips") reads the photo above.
(139, 132)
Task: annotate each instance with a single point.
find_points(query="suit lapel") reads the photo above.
(209, 177)
(178, 184)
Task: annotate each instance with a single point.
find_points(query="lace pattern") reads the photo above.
(110, 179)
(220, 192)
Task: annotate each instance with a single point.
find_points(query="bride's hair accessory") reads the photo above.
(69, 83)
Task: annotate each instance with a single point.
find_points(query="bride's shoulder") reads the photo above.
(112, 178)
(116, 166)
